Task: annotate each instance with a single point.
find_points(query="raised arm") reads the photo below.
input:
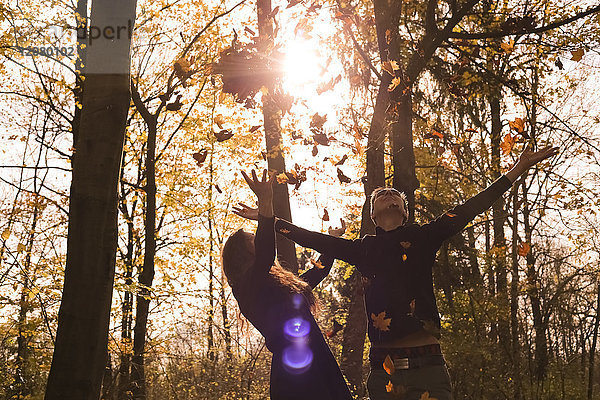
(264, 241)
(456, 219)
(314, 275)
(350, 251)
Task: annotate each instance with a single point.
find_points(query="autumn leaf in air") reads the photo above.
(254, 128)
(577, 55)
(425, 396)
(523, 249)
(218, 188)
(508, 143)
(176, 105)
(224, 134)
(342, 161)
(389, 387)
(318, 264)
(325, 215)
(6, 234)
(315, 150)
(316, 123)
(388, 365)
(508, 47)
(343, 178)
(380, 321)
(200, 156)
(518, 125)
(182, 70)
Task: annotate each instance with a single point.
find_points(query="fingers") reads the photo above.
(264, 176)
(254, 177)
(247, 178)
(343, 223)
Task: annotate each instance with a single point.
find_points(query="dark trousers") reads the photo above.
(410, 384)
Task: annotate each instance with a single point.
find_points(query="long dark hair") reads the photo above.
(238, 255)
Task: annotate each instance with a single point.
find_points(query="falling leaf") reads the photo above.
(321, 138)
(395, 82)
(282, 178)
(218, 189)
(577, 55)
(387, 67)
(254, 128)
(322, 88)
(559, 64)
(316, 122)
(317, 264)
(182, 70)
(388, 36)
(200, 156)
(223, 135)
(315, 150)
(404, 257)
(325, 215)
(380, 321)
(523, 249)
(508, 143)
(250, 31)
(342, 161)
(296, 135)
(284, 231)
(343, 178)
(389, 387)
(508, 47)
(388, 365)
(436, 133)
(335, 329)
(6, 234)
(451, 215)
(21, 247)
(471, 130)
(292, 3)
(406, 245)
(517, 125)
(425, 396)
(219, 120)
(176, 105)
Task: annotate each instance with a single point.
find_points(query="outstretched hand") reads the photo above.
(263, 188)
(338, 231)
(245, 211)
(528, 159)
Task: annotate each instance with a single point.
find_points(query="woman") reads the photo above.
(279, 304)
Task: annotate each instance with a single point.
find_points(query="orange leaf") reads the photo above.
(508, 143)
(518, 125)
(380, 321)
(389, 387)
(404, 257)
(388, 365)
(282, 178)
(425, 396)
(523, 249)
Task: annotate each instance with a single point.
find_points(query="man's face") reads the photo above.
(388, 202)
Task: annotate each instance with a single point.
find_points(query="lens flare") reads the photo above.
(297, 300)
(297, 358)
(296, 329)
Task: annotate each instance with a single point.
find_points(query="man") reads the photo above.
(403, 318)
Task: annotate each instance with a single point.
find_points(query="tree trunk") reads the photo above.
(499, 219)
(83, 320)
(146, 276)
(514, 302)
(590, 388)
(286, 250)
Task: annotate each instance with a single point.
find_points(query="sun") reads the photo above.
(302, 66)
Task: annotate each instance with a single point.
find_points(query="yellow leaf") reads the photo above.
(404, 257)
(425, 396)
(21, 247)
(394, 84)
(6, 234)
(576, 55)
(389, 387)
(380, 321)
(508, 47)
(282, 178)
(388, 366)
(387, 67)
